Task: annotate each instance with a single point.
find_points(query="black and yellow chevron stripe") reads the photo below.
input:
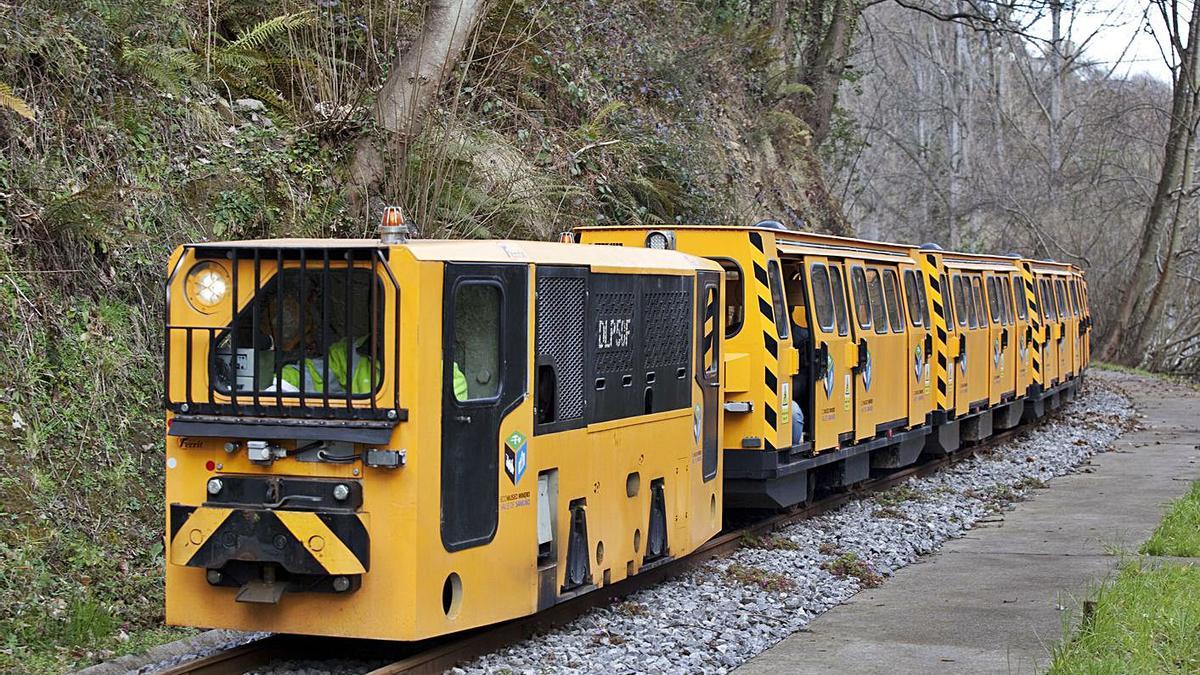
(941, 334)
(770, 391)
(1035, 323)
(302, 542)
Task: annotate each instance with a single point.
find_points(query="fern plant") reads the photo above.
(10, 100)
(249, 64)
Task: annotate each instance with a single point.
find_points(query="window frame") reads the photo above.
(737, 327)
(911, 295)
(977, 295)
(895, 308)
(827, 296)
(858, 276)
(501, 343)
(778, 300)
(959, 291)
(881, 312)
(837, 284)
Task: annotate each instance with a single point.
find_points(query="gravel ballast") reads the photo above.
(731, 609)
(726, 611)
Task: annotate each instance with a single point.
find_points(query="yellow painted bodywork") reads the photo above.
(861, 400)
(401, 596)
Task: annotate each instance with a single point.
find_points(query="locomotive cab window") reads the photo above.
(312, 332)
(476, 356)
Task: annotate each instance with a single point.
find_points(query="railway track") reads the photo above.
(438, 655)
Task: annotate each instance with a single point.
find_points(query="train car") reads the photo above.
(828, 344)
(847, 356)
(1061, 313)
(399, 439)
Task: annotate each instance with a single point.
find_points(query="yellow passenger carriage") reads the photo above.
(398, 439)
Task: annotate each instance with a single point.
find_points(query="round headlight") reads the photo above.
(205, 286)
(657, 240)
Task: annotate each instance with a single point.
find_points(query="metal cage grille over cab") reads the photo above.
(283, 333)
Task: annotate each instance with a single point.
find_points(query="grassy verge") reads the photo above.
(1147, 618)
(1179, 532)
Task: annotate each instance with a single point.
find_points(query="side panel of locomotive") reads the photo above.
(490, 473)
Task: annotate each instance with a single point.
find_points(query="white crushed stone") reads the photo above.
(729, 610)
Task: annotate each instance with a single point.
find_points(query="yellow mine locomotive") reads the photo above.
(398, 439)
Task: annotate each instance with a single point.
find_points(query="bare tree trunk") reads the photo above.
(411, 87)
(1054, 151)
(417, 76)
(1154, 309)
(1185, 85)
(825, 61)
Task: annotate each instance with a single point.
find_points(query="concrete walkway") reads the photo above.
(993, 601)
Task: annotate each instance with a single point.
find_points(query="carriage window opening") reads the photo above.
(878, 308)
(1063, 309)
(972, 315)
(947, 300)
(1074, 298)
(1023, 309)
(963, 306)
(1007, 299)
(782, 323)
(994, 301)
(913, 297)
(476, 358)
(891, 288)
(1048, 310)
(977, 294)
(735, 308)
(839, 300)
(862, 303)
(822, 297)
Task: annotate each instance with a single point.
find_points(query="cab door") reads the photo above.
(1001, 371)
(920, 348)
(832, 339)
(485, 319)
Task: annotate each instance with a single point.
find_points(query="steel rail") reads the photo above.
(440, 654)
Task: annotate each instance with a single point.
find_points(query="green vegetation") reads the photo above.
(849, 564)
(1146, 620)
(755, 576)
(1179, 532)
